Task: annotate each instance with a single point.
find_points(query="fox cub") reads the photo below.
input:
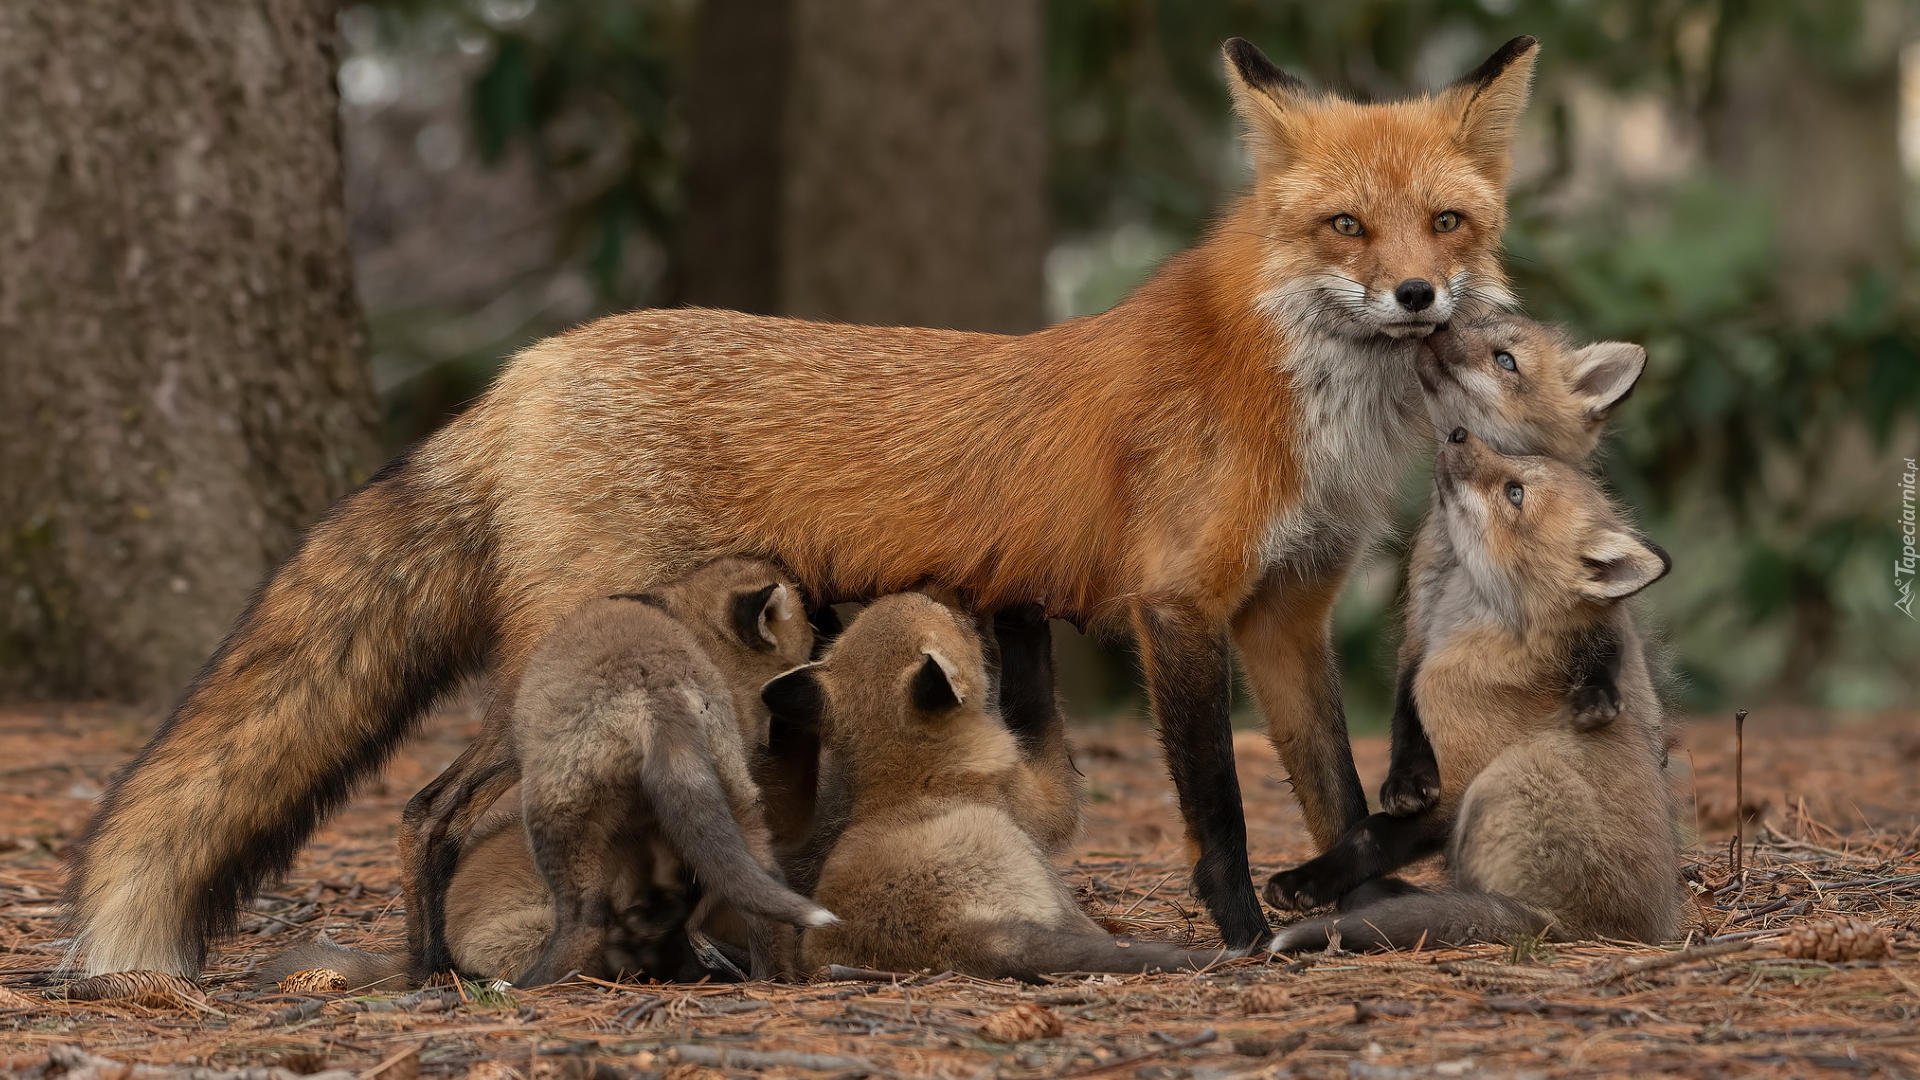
(1527, 390)
(637, 721)
(1561, 821)
(936, 865)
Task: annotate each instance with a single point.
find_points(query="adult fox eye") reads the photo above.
(1347, 225)
(1515, 494)
(1446, 221)
(1505, 360)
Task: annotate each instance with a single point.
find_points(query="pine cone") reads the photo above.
(314, 981)
(1022, 1022)
(1266, 998)
(1836, 941)
(14, 999)
(155, 989)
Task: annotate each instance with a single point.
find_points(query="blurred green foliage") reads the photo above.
(1760, 445)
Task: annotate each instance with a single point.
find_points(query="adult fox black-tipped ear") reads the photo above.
(755, 612)
(1266, 98)
(1488, 101)
(933, 687)
(796, 697)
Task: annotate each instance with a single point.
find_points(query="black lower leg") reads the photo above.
(1028, 702)
(1413, 773)
(1376, 847)
(1190, 684)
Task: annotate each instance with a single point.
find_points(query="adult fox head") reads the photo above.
(1537, 537)
(1381, 219)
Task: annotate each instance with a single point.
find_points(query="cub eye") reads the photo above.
(1505, 360)
(1446, 221)
(1347, 225)
(1515, 493)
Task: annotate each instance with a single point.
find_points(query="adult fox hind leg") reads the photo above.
(1190, 687)
(436, 822)
(1285, 635)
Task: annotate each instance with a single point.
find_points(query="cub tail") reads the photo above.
(1038, 950)
(701, 826)
(364, 969)
(1417, 918)
(385, 604)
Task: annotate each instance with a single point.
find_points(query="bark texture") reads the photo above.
(868, 161)
(915, 164)
(185, 370)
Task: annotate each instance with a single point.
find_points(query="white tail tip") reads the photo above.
(823, 917)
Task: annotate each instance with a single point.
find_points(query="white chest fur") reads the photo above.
(1358, 421)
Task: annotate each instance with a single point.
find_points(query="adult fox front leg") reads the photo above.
(1168, 454)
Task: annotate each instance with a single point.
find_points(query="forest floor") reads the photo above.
(1837, 835)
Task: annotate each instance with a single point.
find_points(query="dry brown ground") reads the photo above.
(1839, 838)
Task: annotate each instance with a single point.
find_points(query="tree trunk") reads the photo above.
(916, 164)
(184, 364)
(729, 244)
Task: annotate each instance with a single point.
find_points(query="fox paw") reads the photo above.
(1411, 789)
(1593, 705)
(1301, 888)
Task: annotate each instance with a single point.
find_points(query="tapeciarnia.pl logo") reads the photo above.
(1903, 567)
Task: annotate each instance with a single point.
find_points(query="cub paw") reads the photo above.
(1300, 889)
(1594, 705)
(1411, 790)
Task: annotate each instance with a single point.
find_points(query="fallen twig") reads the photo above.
(722, 1057)
(1623, 970)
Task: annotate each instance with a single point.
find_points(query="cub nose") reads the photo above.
(1414, 294)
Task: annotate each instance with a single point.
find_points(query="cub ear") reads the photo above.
(1268, 100)
(796, 697)
(1603, 375)
(1488, 100)
(1620, 563)
(754, 613)
(936, 686)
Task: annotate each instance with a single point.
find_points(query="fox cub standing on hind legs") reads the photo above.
(1556, 821)
(934, 867)
(1204, 464)
(1527, 390)
(637, 721)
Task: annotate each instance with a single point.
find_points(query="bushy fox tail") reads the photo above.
(386, 603)
(363, 969)
(1029, 951)
(1407, 920)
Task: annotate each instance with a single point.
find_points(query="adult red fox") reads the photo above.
(1204, 463)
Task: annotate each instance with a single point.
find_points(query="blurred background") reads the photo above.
(1733, 183)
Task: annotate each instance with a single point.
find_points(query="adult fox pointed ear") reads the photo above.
(1487, 102)
(1268, 100)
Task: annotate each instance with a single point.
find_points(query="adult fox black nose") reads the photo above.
(1414, 294)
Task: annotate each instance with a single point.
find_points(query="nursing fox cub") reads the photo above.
(937, 864)
(638, 724)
